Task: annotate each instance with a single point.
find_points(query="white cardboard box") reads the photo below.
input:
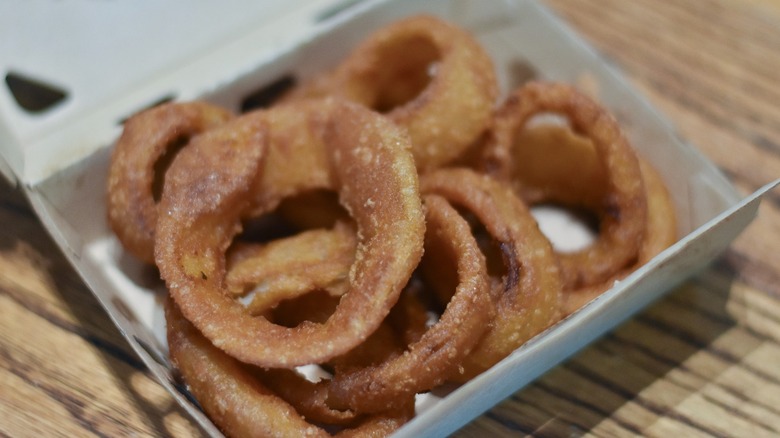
(113, 58)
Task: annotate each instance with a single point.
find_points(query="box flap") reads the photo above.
(69, 67)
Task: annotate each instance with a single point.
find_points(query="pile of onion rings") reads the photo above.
(370, 237)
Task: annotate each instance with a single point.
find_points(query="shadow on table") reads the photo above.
(23, 233)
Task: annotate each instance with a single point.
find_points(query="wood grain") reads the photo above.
(703, 361)
(65, 370)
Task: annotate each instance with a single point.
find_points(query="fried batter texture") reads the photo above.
(584, 162)
(145, 141)
(222, 178)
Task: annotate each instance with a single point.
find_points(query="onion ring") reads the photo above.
(147, 137)
(317, 306)
(426, 75)
(235, 401)
(238, 402)
(210, 188)
(438, 353)
(310, 398)
(622, 211)
(528, 297)
(307, 397)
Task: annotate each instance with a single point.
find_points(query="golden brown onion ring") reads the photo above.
(147, 137)
(662, 217)
(303, 278)
(529, 294)
(438, 353)
(211, 188)
(551, 162)
(310, 399)
(238, 402)
(622, 211)
(425, 74)
(299, 301)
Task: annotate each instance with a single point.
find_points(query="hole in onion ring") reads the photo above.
(549, 119)
(407, 67)
(313, 209)
(487, 244)
(568, 229)
(265, 228)
(315, 306)
(267, 95)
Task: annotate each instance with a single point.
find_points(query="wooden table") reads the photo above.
(705, 360)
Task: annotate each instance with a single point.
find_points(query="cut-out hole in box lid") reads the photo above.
(73, 70)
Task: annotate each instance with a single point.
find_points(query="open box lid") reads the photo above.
(74, 70)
